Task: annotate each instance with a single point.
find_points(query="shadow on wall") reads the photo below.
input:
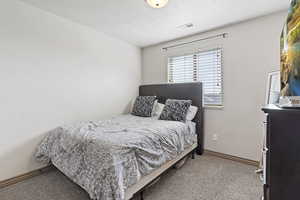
(20, 158)
(128, 108)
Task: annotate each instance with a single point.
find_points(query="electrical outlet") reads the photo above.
(215, 137)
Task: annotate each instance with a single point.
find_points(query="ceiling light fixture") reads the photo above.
(157, 3)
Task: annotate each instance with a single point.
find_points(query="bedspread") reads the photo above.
(106, 157)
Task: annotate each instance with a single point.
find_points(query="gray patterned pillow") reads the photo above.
(143, 106)
(175, 110)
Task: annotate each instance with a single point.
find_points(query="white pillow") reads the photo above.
(157, 109)
(191, 113)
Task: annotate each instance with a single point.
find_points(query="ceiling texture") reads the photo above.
(136, 22)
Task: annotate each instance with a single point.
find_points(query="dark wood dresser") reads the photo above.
(282, 154)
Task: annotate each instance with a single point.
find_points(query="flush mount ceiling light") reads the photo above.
(157, 3)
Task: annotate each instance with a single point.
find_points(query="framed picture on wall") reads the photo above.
(290, 58)
(273, 88)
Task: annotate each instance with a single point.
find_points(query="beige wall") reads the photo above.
(54, 71)
(250, 52)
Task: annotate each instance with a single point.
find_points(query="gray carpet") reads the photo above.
(205, 178)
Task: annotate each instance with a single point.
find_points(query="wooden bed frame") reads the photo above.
(184, 91)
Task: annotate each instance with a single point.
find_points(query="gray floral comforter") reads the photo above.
(106, 157)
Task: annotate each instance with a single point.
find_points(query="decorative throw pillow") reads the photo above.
(175, 110)
(143, 106)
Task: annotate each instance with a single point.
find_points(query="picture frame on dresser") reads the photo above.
(273, 88)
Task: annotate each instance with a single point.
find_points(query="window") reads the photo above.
(204, 66)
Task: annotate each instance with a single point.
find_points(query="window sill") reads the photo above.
(214, 107)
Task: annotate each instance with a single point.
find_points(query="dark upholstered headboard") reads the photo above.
(188, 91)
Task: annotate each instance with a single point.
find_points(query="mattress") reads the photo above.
(109, 156)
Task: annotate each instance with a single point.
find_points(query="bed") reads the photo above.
(117, 158)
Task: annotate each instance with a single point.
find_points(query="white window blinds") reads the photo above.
(204, 66)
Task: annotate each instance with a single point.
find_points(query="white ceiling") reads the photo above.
(134, 21)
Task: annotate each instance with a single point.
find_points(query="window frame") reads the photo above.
(209, 106)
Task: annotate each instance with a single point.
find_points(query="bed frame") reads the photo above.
(184, 91)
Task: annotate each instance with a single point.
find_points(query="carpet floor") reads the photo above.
(205, 178)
